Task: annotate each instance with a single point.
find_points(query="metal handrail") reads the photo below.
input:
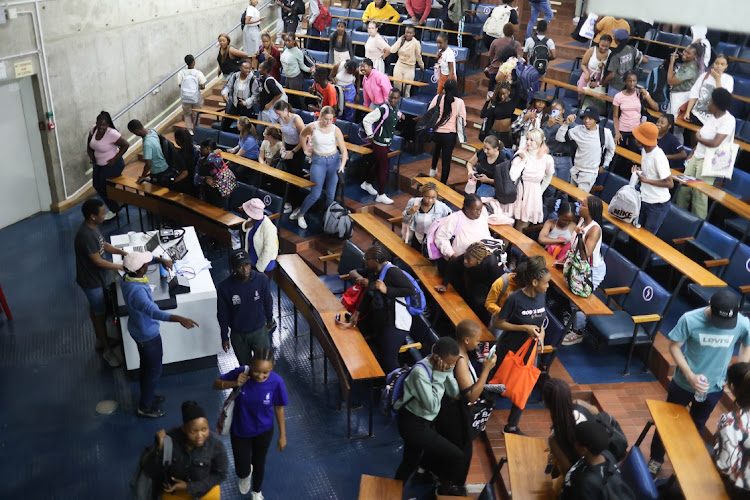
(183, 66)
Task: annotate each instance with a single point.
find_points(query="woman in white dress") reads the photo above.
(376, 48)
(251, 30)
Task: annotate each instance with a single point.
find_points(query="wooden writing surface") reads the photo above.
(527, 460)
(380, 488)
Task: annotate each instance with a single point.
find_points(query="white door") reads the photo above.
(19, 196)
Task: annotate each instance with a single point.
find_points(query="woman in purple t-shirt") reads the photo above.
(261, 394)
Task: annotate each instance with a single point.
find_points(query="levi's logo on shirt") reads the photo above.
(708, 340)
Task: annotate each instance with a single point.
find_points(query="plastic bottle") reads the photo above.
(701, 396)
(162, 271)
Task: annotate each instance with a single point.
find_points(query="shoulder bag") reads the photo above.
(227, 410)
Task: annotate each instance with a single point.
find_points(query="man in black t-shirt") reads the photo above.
(270, 92)
(91, 272)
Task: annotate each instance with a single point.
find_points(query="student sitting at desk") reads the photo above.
(732, 453)
(461, 229)
(143, 325)
(261, 237)
(419, 214)
(472, 274)
(387, 318)
(213, 178)
(381, 10)
(243, 302)
(556, 234)
(185, 162)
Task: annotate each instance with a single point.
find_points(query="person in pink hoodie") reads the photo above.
(466, 226)
(375, 85)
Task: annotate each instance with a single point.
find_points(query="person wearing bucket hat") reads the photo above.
(244, 305)
(702, 344)
(532, 117)
(655, 176)
(590, 152)
(143, 325)
(261, 240)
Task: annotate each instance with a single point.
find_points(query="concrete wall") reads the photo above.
(102, 56)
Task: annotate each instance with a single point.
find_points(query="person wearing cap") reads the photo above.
(143, 325)
(91, 272)
(261, 236)
(199, 459)
(624, 58)
(656, 179)
(534, 116)
(595, 474)
(708, 336)
(243, 302)
(590, 152)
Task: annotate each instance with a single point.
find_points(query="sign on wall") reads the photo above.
(24, 68)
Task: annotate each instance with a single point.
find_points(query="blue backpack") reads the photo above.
(394, 387)
(414, 303)
(528, 79)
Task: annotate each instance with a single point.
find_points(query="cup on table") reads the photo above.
(132, 238)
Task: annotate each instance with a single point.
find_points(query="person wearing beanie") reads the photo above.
(702, 344)
(595, 474)
(243, 302)
(199, 458)
(143, 325)
(655, 177)
(261, 236)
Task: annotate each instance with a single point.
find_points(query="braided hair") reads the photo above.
(477, 251)
(427, 187)
(263, 354)
(450, 89)
(377, 253)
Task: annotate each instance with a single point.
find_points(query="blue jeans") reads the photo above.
(99, 180)
(486, 191)
(563, 164)
(150, 353)
(536, 7)
(324, 173)
(651, 218)
(699, 412)
(96, 300)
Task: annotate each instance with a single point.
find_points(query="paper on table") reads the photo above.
(196, 265)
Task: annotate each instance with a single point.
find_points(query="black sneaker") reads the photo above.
(513, 430)
(153, 413)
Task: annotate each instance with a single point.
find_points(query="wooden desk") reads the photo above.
(345, 347)
(300, 93)
(692, 464)
(189, 211)
(380, 488)
(397, 80)
(452, 304)
(564, 85)
(221, 114)
(590, 306)
(359, 107)
(445, 192)
(722, 197)
(663, 44)
(527, 459)
(674, 258)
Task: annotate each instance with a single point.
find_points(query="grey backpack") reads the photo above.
(337, 222)
(626, 203)
(150, 473)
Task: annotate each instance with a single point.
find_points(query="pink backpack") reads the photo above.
(433, 252)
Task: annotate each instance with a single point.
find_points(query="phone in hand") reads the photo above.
(492, 351)
(554, 114)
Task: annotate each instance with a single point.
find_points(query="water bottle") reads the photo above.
(701, 396)
(162, 271)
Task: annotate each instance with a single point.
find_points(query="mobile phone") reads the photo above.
(554, 114)
(492, 351)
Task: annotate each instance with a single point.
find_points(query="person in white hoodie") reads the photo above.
(590, 150)
(261, 236)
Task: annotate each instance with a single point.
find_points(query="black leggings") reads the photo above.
(420, 437)
(253, 451)
(444, 142)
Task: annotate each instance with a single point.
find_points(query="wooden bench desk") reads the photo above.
(445, 192)
(189, 211)
(527, 460)
(722, 197)
(568, 86)
(320, 307)
(380, 488)
(692, 464)
(397, 80)
(672, 256)
(300, 93)
(221, 114)
(452, 304)
(359, 107)
(663, 44)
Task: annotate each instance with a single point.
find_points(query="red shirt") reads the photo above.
(276, 68)
(329, 94)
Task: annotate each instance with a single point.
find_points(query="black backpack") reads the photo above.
(618, 443)
(656, 84)
(425, 128)
(309, 62)
(506, 190)
(540, 55)
(169, 151)
(615, 487)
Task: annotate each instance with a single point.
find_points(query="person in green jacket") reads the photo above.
(424, 388)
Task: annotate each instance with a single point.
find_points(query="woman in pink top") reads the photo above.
(376, 48)
(466, 226)
(446, 128)
(535, 168)
(105, 147)
(626, 114)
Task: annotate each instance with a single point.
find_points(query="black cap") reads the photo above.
(540, 96)
(238, 258)
(725, 307)
(191, 411)
(591, 112)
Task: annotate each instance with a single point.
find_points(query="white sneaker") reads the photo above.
(575, 20)
(294, 215)
(433, 172)
(287, 208)
(368, 187)
(382, 198)
(257, 496)
(301, 222)
(112, 358)
(110, 215)
(245, 483)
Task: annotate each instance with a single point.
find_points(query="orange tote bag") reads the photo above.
(519, 377)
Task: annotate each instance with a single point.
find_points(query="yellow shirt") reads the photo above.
(495, 301)
(387, 12)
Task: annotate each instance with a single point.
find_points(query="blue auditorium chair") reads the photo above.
(679, 223)
(735, 272)
(634, 470)
(351, 257)
(620, 272)
(709, 244)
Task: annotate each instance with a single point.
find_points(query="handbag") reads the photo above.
(478, 413)
(719, 161)
(461, 129)
(225, 181)
(518, 377)
(425, 128)
(352, 297)
(559, 252)
(227, 410)
(577, 270)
